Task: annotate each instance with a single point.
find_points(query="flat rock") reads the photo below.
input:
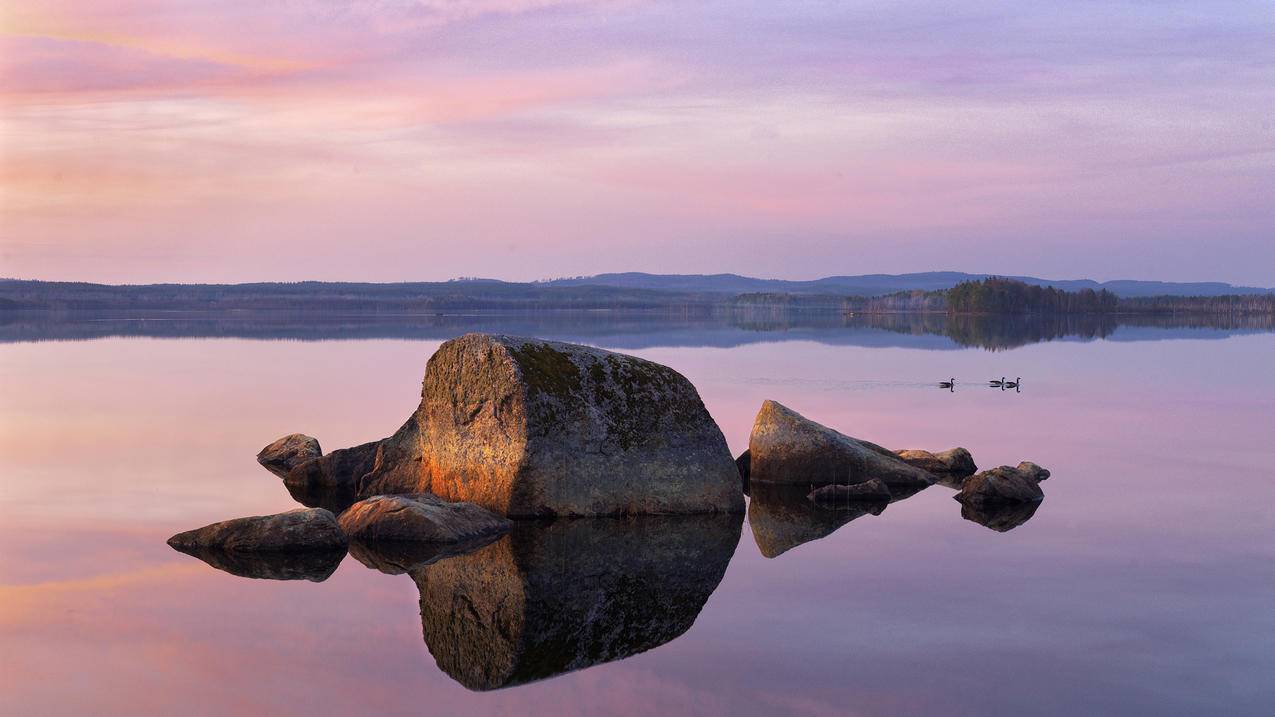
(953, 462)
(297, 530)
(873, 490)
(289, 452)
(418, 518)
(786, 447)
(1005, 484)
(528, 428)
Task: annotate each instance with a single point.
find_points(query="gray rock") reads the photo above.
(303, 529)
(526, 427)
(870, 491)
(1005, 484)
(955, 462)
(744, 464)
(786, 447)
(550, 598)
(418, 518)
(289, 452)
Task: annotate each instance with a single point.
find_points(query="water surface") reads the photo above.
(1142, 584)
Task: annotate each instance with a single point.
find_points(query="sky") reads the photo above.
(173, 140)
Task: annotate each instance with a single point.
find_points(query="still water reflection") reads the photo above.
(1141, 585)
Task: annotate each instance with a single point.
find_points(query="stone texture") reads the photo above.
(744, 464)
(953, 462)
(294, 531)
(396, 465)
(420, 518)
(289, 452)
(786, 447)
(525, 427)
(550, 598)
(331, 481)
(873, 490)
(1005, 484)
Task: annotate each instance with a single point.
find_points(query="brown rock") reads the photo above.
(294, 531)
(289, 452)
(1032, 470)
(1005, 484)
(331, 481)
(419, 518)
(954, 462)
(786, 447)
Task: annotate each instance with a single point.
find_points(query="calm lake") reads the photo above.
(1142, 584)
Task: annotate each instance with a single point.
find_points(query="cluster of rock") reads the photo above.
(511, 427)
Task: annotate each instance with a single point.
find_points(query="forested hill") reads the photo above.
(881, 284)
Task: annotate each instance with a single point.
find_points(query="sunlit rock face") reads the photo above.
(786, 447)
(550, 598)
(420, 518)
(533, 428)
(782, 517)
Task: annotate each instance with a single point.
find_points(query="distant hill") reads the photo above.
(877, 284)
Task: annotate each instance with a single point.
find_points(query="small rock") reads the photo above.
(289, 452)
(954, 462)
(419, 517)
(296, 530)
(1031, 469)
(1005, 484)
(873, 490)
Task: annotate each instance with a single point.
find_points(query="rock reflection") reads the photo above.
(400, 557)
(547, 599)
(313, 565)
(782, 517)
(1001, 517)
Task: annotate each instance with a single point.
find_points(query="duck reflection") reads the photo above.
(783, 517)
(547, 599)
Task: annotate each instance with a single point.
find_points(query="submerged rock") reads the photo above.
(870, 491)
(418, 518)
(786, 447)
(550, 598)
(303, 529)
(289, 452)
(1005, 484)
(313, 565)
(955, 462)
(526, 427)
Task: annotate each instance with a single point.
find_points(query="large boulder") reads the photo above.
(299, 530)
(786, 447)
(554, 597)
(526, 427)
(420, 518)
(1002, 485)
(289, 452)
(956, 462)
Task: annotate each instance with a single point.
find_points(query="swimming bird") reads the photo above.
(950, 383)
(1014, 383)
(994, 382)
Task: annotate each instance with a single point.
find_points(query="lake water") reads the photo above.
(1143, 584)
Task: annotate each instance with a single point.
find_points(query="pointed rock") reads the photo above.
(289, 452)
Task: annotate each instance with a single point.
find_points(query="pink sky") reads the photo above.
(422, 140)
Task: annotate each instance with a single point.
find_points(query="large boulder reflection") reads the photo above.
(552, 598)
